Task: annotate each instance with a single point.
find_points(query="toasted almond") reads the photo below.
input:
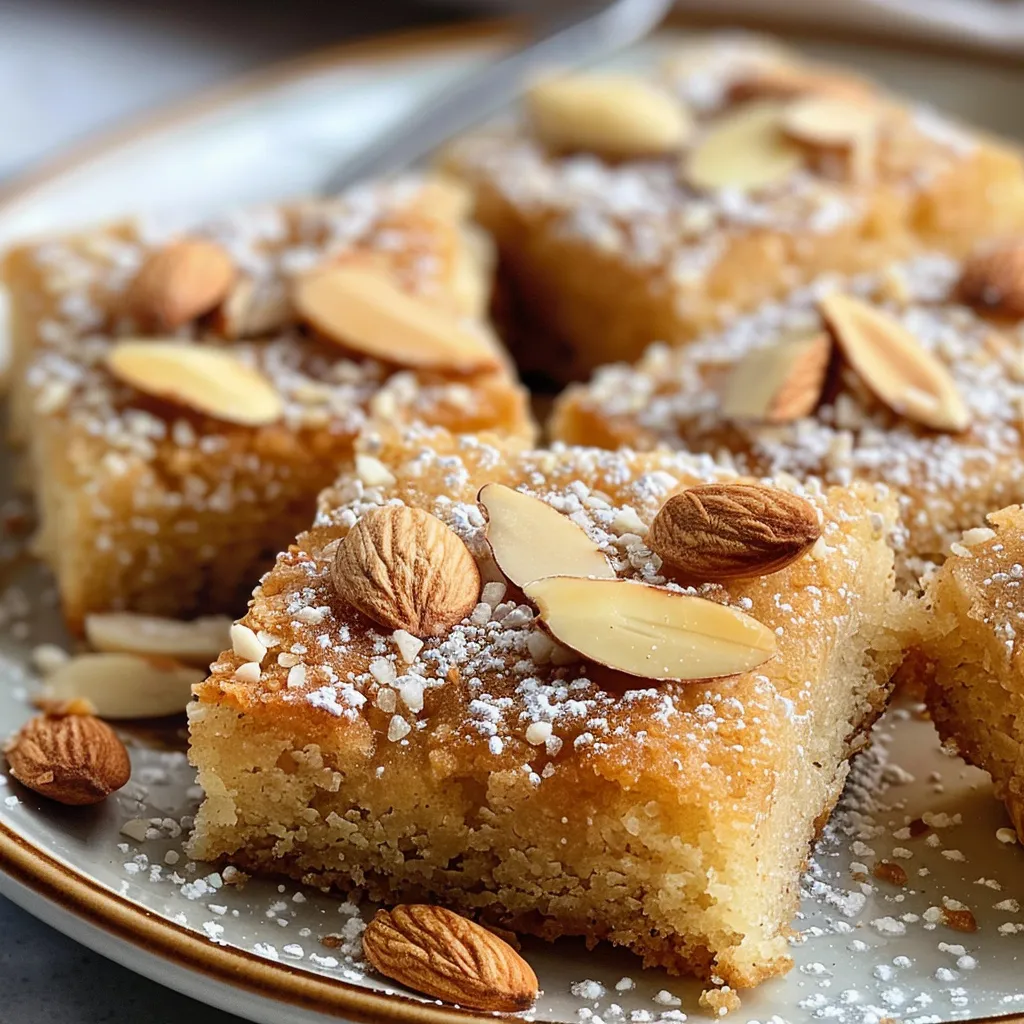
(612, 115)
(447, 956)
(992, 279)
(829, 121)
(73, 759)
(733, 530)
(196, 642)
(180, 282)
(124, 685)
(405, 569)
(778, 383)
(744, 149)
(208, 380)
(894, 365)
(785, 81)
(529, 539)
(365, 311)
(253, 309)
(647, 631)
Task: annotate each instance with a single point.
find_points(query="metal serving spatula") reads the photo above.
(585, 34)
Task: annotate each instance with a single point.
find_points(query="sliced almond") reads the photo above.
(993, 279)
(894, 365)
(744, 149)
(74, 759)
(650, 632)
(529, 539)
(733, 530)
(447, 956)
(829, 121)
(778, 383)
(208, 380)
(253, 309)
(124, 685)
(181, 282)
(364, 310)
(405, 569)
(196, 642)
(612, 115)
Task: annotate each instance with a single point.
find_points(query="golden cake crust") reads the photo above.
(948, 480)
(152, 505)
(607, 256)
(493, 723)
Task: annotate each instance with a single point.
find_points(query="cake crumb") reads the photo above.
(719, 1000)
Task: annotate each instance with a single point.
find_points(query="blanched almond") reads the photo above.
(612, 115)
(650, 632)
(365, 311)
(778, 383)
(894, 365)
(744, 149)
(253, 309)
(829, 121)
(180, 282)
(196, 642)
(200, 377)
(529, 539)
(124, 685)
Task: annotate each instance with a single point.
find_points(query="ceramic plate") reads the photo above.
(115, 877)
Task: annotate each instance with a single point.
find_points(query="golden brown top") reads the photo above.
(495, 690)
(160, 343)
(733, 135)
(924, 392)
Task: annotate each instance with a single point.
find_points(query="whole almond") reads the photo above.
(992, 280)
(733, 531)
(784, 81)
(180, 282)
(447, 956)
(405, 569)
(73, 759)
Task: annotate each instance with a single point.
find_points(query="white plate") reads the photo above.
(256, 951)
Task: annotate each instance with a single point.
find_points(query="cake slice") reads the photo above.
(913, 377)
(625, 751)
(635, 208)
(973, 654)
(184, 398)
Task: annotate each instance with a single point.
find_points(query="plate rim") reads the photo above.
(72, 892)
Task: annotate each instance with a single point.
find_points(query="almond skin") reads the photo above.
(733, 531)
(180, 282)
(993, 280)
(405, 569)
(73, 759)
(442, 954)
